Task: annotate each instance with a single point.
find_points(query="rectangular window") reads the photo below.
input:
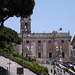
(63, 54)
(39, 41)
(62, 41)
(27, 42)
(39, 55)
(49, 42)
(50, 55)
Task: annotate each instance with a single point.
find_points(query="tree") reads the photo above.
(18, 8)
(9, 35)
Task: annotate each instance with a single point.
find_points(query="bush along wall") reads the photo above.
(35, 67)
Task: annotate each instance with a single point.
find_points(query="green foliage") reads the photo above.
(7, 48)
(9, 35)
(18, 8)
(31, 59)
(19, 56)
(36, 66)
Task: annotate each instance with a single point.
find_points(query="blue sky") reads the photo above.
(49, 15)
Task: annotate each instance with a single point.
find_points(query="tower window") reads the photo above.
(27, 41)
(39, 55)
(62, 41)
(26, 24)
(50, 55)
(26, 27)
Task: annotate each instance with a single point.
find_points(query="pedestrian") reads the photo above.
(64, 71)
(54, 72)
(61, 69)
(51, 70)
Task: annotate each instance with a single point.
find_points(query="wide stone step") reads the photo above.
(4, 62)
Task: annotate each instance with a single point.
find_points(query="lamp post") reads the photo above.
(22, 54)
(9, 66)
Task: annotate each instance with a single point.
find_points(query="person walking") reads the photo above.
(64, 71)
(54, 72)
(51, 70)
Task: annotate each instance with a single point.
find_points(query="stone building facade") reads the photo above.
(43, 45)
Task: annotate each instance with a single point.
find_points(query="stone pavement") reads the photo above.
(13, 66)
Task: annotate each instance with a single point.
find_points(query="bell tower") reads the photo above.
(25, 25)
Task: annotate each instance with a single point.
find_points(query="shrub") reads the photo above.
(31, 59)
(35, 66)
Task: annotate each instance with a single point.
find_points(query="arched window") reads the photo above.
(26, 28)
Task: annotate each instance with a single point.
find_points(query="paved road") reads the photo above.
(56, 68)
(13, 66)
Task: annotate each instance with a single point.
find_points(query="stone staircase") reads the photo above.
(12, 68)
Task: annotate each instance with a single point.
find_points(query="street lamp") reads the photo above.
(9, 65)
(22, 54)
